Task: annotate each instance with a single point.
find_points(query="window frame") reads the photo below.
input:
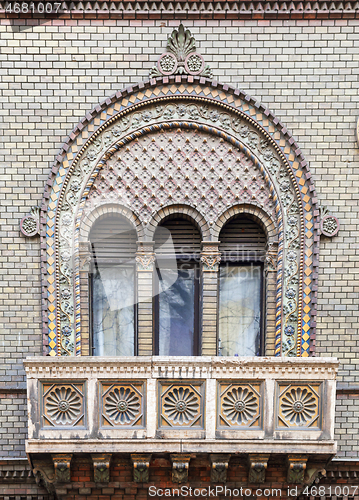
(197, 337)
(262, 305)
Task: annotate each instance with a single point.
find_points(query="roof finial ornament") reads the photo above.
(181, 57)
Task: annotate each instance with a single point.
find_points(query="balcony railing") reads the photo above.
(181, 405)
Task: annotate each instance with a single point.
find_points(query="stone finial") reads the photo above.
(181, 57)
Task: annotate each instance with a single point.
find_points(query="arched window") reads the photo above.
(240, 313)
(176, 288)
(112, 285)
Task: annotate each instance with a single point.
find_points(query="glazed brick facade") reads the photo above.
(52, 74)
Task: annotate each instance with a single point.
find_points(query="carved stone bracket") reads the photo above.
(30, 224)
(296, 468)
(271, 257)
(210, 256)
(101, 467)
(180, 467)
(141, 467)
(44, 473)
(257, 468)
(62, 465)
(85, 256)
(219, 467)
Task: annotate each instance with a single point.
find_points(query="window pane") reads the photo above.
(239, 310)
(113, 311)
(176, 312)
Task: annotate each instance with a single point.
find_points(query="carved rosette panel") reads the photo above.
(122, 405)
(299, 406)
(239, 405)
(181, 405)
(63, 405)
(201, 157)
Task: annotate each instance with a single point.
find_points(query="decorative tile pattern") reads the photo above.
(181, 405)
(239, 405)
(122, 405)
(64, 193)
(299, 406)
(63, 405)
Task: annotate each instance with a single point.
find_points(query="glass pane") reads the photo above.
(176, 312)
(113, 311)
(239, 310)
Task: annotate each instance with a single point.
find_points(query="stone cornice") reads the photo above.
(205, 9)
(182, 367)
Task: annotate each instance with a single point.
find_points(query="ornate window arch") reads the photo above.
(257, 167)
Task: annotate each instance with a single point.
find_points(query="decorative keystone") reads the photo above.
(219, 467)
(141, 467)
(101, 467)
(62, 465)
(30, 224)
(181, 57)
(180, 468)
(257, 468)
(296, 468)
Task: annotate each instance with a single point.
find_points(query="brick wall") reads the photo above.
(52, 74)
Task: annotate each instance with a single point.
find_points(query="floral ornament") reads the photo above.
(63, 405)
(66, 294)
(75, 186)
(292, 221)
(116, 131)
(290, 293)
(181, 110)
(147, 116)
(292, 256)
(29, 225)
(298, 406)
(65, 255)
(122, 405)
(329, 225)
(289, 330)
(214, 116)
(181, 405)
(67, 220)
(285, 186)
(91, 155)
(240, 405)
(181, 57)
(66, 331)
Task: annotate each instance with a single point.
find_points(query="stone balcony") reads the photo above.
(181, 405)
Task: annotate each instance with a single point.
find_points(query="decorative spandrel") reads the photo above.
(181, 57)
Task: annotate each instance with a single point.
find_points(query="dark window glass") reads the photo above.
(176, 302)
(176, 312)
